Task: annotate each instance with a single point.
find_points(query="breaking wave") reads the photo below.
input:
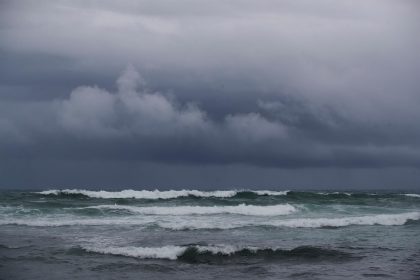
(220, 224)
(382, 219)
(73, 221)
(235, 194)
(156, 194)
(241, 209)
(412, 195)
(220, 253)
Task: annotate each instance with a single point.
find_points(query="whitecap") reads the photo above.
(411, 194)
(241, 209)
(170, 252)
(218, 222)
(156, 194)
(382, 219)
(143, 194)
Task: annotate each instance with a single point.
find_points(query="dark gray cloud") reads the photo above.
(275, 85)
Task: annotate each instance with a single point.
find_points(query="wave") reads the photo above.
(197, 223)
(382, 219)
(2, 246)
(235, 194)
(74, 221)
(338, 193)
(411, 195)
(270, 192)
(241, 209)
(156, 194)
(219, 253)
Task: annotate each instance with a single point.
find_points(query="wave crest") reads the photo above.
(382, 219)
(239, 194)
(197, 223)
(156, 194)
(241, 209)
(412, 195)
(219, 253)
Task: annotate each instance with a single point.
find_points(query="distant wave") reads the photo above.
(218, 253)
(337, 193)
(72, 221)
(156, 194)
(269, 192)
(241, 209)
(383, 219)
(411, 195)
(220, 224)
(240, 194)
(2, 246)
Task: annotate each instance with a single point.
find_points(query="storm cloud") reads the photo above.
(267, 87)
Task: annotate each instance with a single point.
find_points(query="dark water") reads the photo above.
(76, 234)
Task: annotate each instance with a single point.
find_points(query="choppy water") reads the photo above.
(191, 234)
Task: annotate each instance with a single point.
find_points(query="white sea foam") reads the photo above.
(156, 194)
(143, 194)
(73, 221)
(336, 193)
(216, 222)
(271, 192)
(170, 252)
(383, 219)
(241, 209)
(412, 194)
(165, 252)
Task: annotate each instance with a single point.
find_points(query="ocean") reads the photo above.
(193, 234)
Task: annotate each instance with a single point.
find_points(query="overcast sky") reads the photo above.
(212, 94)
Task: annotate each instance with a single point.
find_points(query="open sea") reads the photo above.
(192, 234)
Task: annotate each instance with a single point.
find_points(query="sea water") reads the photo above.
(194, 234)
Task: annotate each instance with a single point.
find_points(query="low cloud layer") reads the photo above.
(267, 85)
(137, 123)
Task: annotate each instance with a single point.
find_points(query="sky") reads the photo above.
(284, 94)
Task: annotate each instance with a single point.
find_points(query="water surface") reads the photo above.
(191, 234)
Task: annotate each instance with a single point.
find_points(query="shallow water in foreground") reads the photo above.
(190, 234)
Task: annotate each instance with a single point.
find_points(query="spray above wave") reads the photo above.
(241, 209)
(220, 253)
(156, 194)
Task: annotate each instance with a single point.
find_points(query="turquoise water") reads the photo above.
(191, 234)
